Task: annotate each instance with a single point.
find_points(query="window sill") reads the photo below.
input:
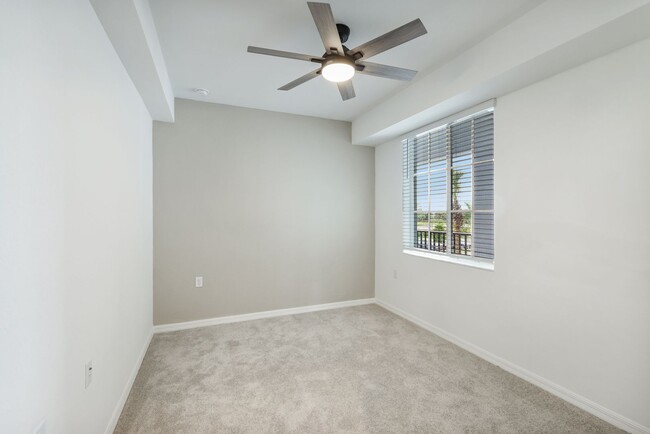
(474, 263)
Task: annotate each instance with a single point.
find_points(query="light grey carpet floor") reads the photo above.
(354, 370)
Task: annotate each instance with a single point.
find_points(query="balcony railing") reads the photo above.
(437, 241)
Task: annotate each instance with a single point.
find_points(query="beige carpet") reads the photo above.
(355, 370)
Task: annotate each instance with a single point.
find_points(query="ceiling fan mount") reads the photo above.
(344, 32)
(338, 63)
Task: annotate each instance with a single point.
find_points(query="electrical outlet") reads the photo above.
(394, 274)
(41, 428)
(89, 373)
(198, 281)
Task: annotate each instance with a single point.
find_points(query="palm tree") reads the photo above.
(457, 218)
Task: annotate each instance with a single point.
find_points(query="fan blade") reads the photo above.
(390, 40)
(301, 80)
(287, 54)
(346, 89)
(385, 71)
(322, 14)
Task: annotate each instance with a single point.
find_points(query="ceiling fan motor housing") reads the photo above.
(336, 58)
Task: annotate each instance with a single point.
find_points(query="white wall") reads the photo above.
(75, 219)
(273, 210)
(569, 299)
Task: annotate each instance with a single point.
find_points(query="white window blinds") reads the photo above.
(448, 188)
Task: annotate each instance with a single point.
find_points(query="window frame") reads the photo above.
(448, 256)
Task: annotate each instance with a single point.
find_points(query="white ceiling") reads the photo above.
(204, 45)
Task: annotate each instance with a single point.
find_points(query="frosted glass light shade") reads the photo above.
(338, 72)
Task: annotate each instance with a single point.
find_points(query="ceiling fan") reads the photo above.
(339, 63)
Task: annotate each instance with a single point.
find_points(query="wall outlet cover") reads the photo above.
(89, 373)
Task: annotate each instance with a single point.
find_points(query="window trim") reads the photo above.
(469, 261)
(480, 263)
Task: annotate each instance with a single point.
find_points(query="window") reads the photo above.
(448, 190)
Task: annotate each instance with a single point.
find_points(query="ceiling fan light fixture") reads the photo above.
(338, 69)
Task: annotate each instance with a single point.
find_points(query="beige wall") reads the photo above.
(273, 210)
(75, 220)
(569, 300)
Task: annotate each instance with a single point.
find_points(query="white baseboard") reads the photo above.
(589, 406)
(258, 315)
(112, 423)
